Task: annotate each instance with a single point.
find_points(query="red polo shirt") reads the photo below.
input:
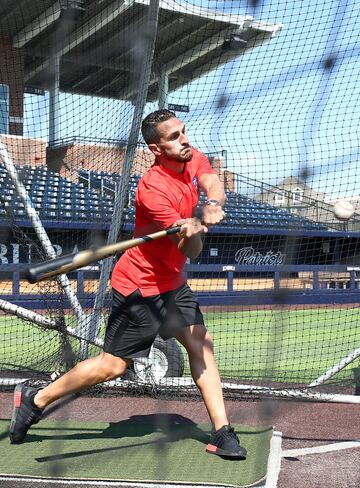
(162, 197)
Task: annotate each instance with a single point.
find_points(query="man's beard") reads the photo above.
(185, 155)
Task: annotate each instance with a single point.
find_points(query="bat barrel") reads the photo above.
(70, 262)
(35, 272)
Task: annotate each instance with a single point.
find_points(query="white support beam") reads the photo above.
(41, 233)
(42, 321)
(163, 90)
(54, 101)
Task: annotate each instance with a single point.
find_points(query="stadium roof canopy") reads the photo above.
(97, 42)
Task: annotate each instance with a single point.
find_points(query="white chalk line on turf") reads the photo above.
(274, 460)
(277, 453)
(336, 446)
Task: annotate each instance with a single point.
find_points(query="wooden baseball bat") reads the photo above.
(70, 262)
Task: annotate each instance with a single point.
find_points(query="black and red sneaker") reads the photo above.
(224, 442)
(25, 413)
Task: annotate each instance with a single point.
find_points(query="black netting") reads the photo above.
(270, 92)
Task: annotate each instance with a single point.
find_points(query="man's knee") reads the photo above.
(112, 366)
(198, 341)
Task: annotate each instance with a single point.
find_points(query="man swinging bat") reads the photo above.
(150, 295)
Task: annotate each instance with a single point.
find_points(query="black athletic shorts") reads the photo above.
(135, 321)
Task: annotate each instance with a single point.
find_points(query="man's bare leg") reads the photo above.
(198, 343)
(223, 439)
(85, 374)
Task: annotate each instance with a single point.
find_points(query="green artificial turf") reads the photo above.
(166, 451)
(286, 346)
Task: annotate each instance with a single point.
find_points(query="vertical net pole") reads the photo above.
(145, 61)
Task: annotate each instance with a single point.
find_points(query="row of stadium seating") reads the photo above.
(92, 197)
(247, 212)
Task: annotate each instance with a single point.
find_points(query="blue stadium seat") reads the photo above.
(50, 206)
(48, 213)
(65, 214)
(80, 215)
(92, 198)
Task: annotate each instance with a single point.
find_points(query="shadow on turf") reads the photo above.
(171, 425)
(174, 427)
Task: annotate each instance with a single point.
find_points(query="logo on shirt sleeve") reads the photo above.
(194, 182)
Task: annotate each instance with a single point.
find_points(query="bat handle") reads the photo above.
(173, 230)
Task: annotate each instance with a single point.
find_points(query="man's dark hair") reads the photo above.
(150, 123)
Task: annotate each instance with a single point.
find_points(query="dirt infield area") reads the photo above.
(319, 442)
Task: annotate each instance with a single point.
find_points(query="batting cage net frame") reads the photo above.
(259, 93)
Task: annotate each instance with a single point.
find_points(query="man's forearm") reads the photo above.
(191, 247)
(218, 194)
(213, 188)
